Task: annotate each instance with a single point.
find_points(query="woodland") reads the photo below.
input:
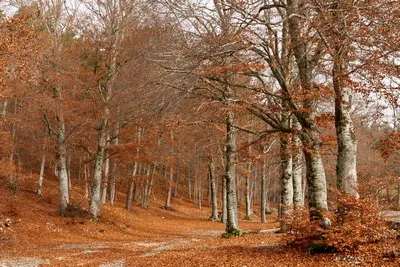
(199, 132)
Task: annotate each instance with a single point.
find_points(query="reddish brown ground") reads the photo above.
(153, 237)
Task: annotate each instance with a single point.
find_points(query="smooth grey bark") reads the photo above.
(62, 166)
(316, 182)
(286, 184)
(148, 186)
(175, 194)
(189, 183)
(41, 175)
(69, 172)
(297, 174)
(263, 189)
(230, 175)
(112, 177)
(85, 177)
(398, 193)
(13, 157)
(199, 190)
(346, 167)
(248, 190)
(97, 172)
(310, 135)
(131, 189)
(169, 190)
(224, 211)
(214, 203)
(106, 178)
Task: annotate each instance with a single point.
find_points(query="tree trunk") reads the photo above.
(230, 175)
(169, 191)
(69, 172)
(316, 181)
(286, 183)
(263, 188)
(398, 193)
(148, 186)
(214, 204)
(85, 177)
(106, 177)
(62, 166)
(310, 135)
(249, 212)
(346, 168)
(176, 181)
(189, 183)
(131, 190)
(298, 198)
(40, 181)
(224, 210)
(97, 172)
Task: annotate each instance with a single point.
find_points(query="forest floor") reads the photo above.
(33, 234)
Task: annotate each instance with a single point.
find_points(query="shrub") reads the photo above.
(354, 222)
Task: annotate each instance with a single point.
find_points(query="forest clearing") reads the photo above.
(185, 236)
(199, 132)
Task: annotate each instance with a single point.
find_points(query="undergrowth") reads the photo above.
(353, 223)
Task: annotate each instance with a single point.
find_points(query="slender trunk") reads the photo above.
(85, 177)
(214, 204)
(62, 166)
(13, 179)
(176, 181)
(112, 178)
(263, 189)
(249, 212)
(40, 181)
(169, 191)
(147, 187)
(286, 185)
(200, 190)
(189, 184)
(131, 190)
(298, 198)
(398, 193)
(69, 172)
(106, 177)
(230, 175)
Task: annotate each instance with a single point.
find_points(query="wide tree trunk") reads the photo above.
(41, 175)
(316, 181)
(62, 166)
(346, 169)
(230, 175)
(310, 135)
(214, 204)
(97, 173)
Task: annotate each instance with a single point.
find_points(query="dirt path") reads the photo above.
(125, 253)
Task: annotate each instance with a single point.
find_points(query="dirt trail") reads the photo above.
(33, 234)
